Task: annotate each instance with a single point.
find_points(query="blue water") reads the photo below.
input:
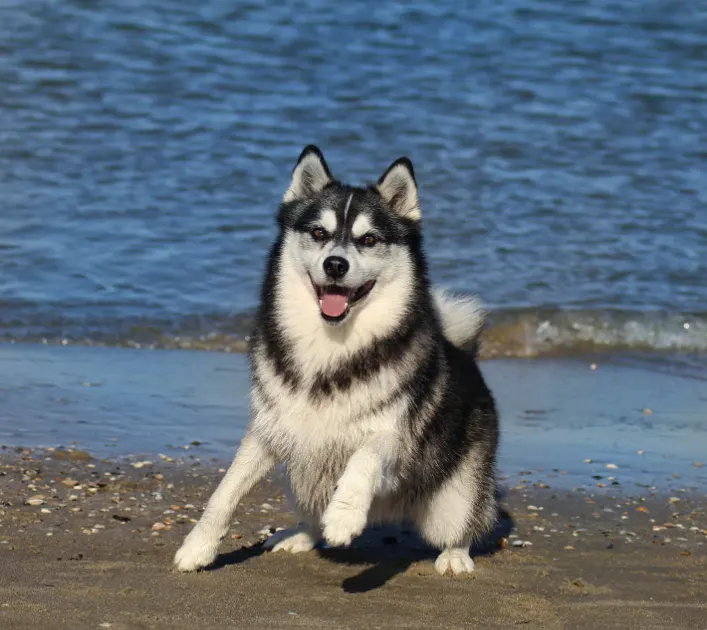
(560, 150)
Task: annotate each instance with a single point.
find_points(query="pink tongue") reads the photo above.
(334, 305)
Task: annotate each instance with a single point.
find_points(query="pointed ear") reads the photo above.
(310, 175)
(398, 188)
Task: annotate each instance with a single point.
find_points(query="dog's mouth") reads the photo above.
(335, 302)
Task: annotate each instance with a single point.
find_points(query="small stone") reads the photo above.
(141, 464)
(69, 482)
(593, 366)
(641, 452)
(569, 547)
(587, 461)
(612, 466)
(158, 526)
(521, 543)
(673, 500)
(37, 500)
(647, 411)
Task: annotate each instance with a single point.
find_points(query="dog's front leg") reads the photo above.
(251, 463)
(364, 476)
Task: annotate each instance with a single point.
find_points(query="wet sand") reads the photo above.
(94, 551)
(555, 413)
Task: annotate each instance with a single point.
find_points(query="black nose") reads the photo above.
(336, 267)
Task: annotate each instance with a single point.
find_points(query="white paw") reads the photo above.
(342, 522)
(454, 561)
(294, 540)
(198, 550)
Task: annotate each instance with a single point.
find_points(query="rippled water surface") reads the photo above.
(560, 150)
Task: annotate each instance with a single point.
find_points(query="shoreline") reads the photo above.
(575, 419)
(95, 544)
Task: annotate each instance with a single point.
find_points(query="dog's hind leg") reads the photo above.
(294, 539)
(251, 463)
(461, 511)
(299, 539)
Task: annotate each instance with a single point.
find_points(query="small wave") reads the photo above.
(509, 333)
(534, 333)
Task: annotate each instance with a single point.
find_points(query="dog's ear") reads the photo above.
(310, 175)
(398, 188)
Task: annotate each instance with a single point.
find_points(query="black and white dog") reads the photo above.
(361, 386)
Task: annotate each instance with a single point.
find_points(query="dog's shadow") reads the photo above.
(390, 551)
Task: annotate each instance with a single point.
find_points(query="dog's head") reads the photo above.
(350, 244)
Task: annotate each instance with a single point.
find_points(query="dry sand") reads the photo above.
(95, 552)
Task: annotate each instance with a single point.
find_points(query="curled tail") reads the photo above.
(462, 317)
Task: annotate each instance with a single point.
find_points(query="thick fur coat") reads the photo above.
(364, 384)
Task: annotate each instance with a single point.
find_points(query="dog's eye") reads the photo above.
(318, 234)
(369, 240)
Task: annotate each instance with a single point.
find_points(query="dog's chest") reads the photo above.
(315, 445)
(308, 431)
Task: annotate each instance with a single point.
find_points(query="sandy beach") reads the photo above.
(600, 471)
(86, 543)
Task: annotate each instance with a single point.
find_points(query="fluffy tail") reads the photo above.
(462, 317)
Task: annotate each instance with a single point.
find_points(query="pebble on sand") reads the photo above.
(612, 466)
(521, 543)
(36, 500)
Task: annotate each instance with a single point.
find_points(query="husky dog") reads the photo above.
(361, 386)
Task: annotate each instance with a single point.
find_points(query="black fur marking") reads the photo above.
(277, 347)
(366, 362)
(465, 417)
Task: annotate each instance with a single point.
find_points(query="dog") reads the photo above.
(364, 386)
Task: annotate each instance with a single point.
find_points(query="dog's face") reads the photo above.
(350, 244)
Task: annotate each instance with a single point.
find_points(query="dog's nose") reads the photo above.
(336, 267)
